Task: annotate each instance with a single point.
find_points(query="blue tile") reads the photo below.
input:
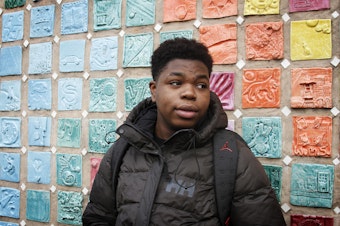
(138, 50)
(39, 131)
(101, 134)
(3, 223)
(10, 166)
(107, 14)
(39, 167)
(135, 90)
(39, 94)
(10, 202)
(10, 135)
(69, 170)
(71, 56)
(104, 53)
(10, 95)
(11, 56)
(74, 17)
(42, 21)
(40, 58)
(70, 94)
(103, 95)
(12, 26)
(140, 12)
(38, 205)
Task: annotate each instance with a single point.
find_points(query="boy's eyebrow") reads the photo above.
(182, 74)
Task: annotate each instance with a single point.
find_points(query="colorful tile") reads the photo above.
(311, 88)
(10, 135)
(69, 169)
(178, 10)
(274, 174)
(266, 7)
(311, 39)
(74, 17)
(42, 21)
(312, 136)
(10, 166)
(40, 94)
(10, 95)
(103, 95)
(222, 83)
(104, 53)
(69, 130)
(38, 205)
(135, 90)
(296, 219)
(138, 50)
(10, 56)
(107, 14)
(70, 94)
(166, 35)
(263, 135)
(10, 202)
(140, 12)
(10, 4)
(101, 134)
(39, 131)
(95, 163)
(72, 54)
(302, 6)
(13, 26)
(312, 185)
(261, 88)
(219, 8)
(40, 58)
(221, 42)
(70, 207)
(264, 41)
(39, 167)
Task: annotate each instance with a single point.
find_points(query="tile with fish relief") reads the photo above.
(107, 14)
(10, 56)
(10, 132)
(70, 94)
(104, 53)
(264, 7)
(74, 17)
(135, 90)
(274, 174)
(39, 131)
(38, 205)
(103, 95)
(166, 35)
(10, 4)
(10, 202)
(39, 167)
(69, 169)
(303, 220)
(140, 12)
(222, 83)
(70, 207)
(71, 56)
(40, 58)
(13, 26)
(138, 49)
(10, 166)
(42, 21)
(10, 95)
(69, 131)
(219, 8)
(40, 94)
(178, 10)
(101, 134)
(302, 6)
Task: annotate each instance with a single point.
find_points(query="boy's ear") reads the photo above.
(152, 87)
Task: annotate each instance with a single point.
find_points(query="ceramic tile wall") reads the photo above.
(71, 70)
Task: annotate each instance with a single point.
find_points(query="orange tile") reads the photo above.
(179, 10)
(219, 8)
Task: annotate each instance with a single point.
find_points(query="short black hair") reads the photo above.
(179, 48)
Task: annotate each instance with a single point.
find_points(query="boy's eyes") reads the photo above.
(198, 85)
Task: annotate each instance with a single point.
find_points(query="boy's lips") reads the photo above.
(187, 111)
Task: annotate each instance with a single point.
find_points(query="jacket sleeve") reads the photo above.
(254, 201)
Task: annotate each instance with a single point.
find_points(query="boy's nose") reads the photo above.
(188, 92)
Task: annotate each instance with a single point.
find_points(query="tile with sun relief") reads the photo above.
(264, 7)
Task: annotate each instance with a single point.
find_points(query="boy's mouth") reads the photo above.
(187, 112)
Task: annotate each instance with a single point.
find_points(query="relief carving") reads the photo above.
(101, 134)
(69, 207)
(178, 10)
(10, 95)
(69, 170)
(103, 95)
(138, 50)
(69, 132)
(107, 14)
(222, 83)
(40, 94)
(219, 8)
(135, 91)
(261, 7)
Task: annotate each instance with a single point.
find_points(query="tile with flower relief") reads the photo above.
(274, 174)
(297, 219)
(107, 14)
(264, 41)
(74, 17)
(311, 39)
(12, 26)
(38, 205)
(70, 94)
(219, 8)
(10, 95)
(312, 185)
(266, 7)
(69, 132)
(42, 21)
(312, 136)
(103, 95)
(10, 4)
(221, 40)
(40, 58)
(166, 35)
(39, 167)
(222, 83)
(95, 163)
(178, 10)
(261, 88)
(10, 135)
(39, 131)
(140, 12)
(72, 54)
(101, 134)
(69, 210)
(311, 88)
(10, 56)
(263, 135)
(69, 169)
(10, 166)
(138, 50)
(104, 53)
(302, 6)
(135, 90)
(40, 94)
(10, 202)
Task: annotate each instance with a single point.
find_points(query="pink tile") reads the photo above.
(308, 5)
(222, 83)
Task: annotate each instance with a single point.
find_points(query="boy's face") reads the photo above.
(182, 95)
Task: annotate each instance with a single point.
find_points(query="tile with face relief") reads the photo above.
(42, 21)
(13, 26)
(178, 10)
(69, 131)
(38, 205)
(266, 7)
(40, 94)
(72, 54)
(222, 83)
(297, 219)
(10, 95)
(10, 56)
(107, 14)
(39, 131)
(40, 58)
(74, 17)
(10, 132)
(140, 12)
(312, 185)
(166, 35)
(101, 134)
(69, 169)
(135, 90)
(10, 166)
(10, 4)
(10, 202)
(103, 95)
(302, 6)
(274, 174)
(70, 94)
(263, 135)
(69, 207)
(219, 8)
(104, 53)
(39, 167)
(138, 50)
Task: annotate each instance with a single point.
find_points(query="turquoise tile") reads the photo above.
(166, 35)
(101, 134)
(69, 170)
(40, 58)
(103, 95)
(13, 26)
(11, 56)
(104, 53)
(69, 130)
(74, 17)
(70, 94)
(39, 131)
(107, 14)
(138, 50)
(38, 205)
(69, 207)
(263, 135)
(39, 94)
(274, 174)
(10, 95)
(140, 12)
(135, 90)
(10, 166)
(10, 4)
(10, 135)
(72, 54)
(10, 202)
(39, 167)
(42, 21)
(312, 185)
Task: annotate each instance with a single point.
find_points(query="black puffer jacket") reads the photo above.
(175, 181)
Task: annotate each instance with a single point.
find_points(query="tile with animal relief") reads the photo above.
(10, 166)
(104, 53)
(107, 15)
(39, 167)
(10, 56)
(10, 202)
(69, 169)
(69, 207)
(222, 83)
(38, 205)
(103, 95)
(13, 26)
(70, 94)
(166, 35)
(74, 17)
(39, 131)
(10, 135)
(69, 131)
(40, 58)
(42, 21)
(274, 174)
(39, 94)
(101, 134)
(135, 90)
(10, 95)
(71, 56)
(138, 49)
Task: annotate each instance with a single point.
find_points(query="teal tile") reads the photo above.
(10, 135)
(135, 90)
(74, 17)
(69, 130)
(42, 21)
(70, 94)
(40, 58)
(101, 134)
(13, 26)
(140, 12)
(10, 95)
(10, 4)
(10, 166)
(274, 174)
(103, 95)
(104, 53)
(38, 205)
(69, 170)
(107, 14)
(69, 207)
(10, 56)
(138, 49)
(39, 167)
(40, 94)
(72, 55)
(10, 202)
(166, 35)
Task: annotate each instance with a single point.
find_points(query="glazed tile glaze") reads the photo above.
(103, 95)
(10, 135)
(104, 53)
(107, 14)
(10, 205)
(135, 90)
(101, 134)
(40, 58)
(11, 56)
(39, 131)
(42, 21)
(13, 26)
(69, 131)
(70, 92)
(38, 205)
(10, 95)
(39, 167)
(40, 94)
(10, 166)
